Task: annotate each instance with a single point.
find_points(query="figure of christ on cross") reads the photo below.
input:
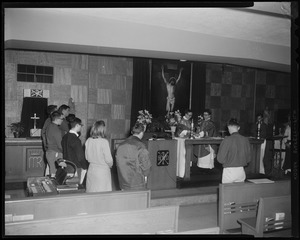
(170, 84)
(34, 120)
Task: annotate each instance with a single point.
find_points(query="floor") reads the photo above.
(191, 216)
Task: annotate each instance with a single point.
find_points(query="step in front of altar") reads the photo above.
(186, 196)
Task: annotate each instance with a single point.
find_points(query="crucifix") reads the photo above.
(34, 120)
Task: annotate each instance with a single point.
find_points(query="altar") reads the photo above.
(185, 154)
(171, 159)
(24, 157)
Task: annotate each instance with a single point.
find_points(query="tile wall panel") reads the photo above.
(80, 62)
(80, 77)
(79, 93)
(89, 80)
(63, 60)
(104, 96)
(92, 95)
(117, 111)
(62, 76)
(118, 96)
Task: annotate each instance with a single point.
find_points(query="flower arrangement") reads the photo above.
(16, 128)
(173, 118)
(144, 117)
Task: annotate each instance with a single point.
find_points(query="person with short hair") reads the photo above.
(50, 109)
(98, 154)
(72, 149)
(53, 141)
(184, 127)
(64, 110)
(133, 162)
(234, 154)
(206, 153)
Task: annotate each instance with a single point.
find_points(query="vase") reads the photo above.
(16, 134)
(173, 129)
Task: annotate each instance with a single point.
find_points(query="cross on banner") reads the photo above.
(34, 120)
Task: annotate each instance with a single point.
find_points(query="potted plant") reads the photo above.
(16, 128)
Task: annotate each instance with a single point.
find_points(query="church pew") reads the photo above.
(58, 206)
(240, 200)
(266, 224)
(155, 220)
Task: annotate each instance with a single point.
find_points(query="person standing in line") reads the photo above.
(234, 154)
(64, 110)
(98, 154)
(50, 109)
(53, 141)
(72, 149)
(133, 162)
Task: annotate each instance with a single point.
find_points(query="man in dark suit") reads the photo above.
(72, 149)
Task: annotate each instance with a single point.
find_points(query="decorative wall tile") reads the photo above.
(129, 82)
(11, 56)
(117, 111)
(129, 71)
(80, 62)
(249, 78)
(80, 77)
(236, 90)
(27, 57)
(270, 91)
(215, 89)
(118, 96)
(104, 96)
(227, 78)
(226, 90)
(62, 76)
(237, 78)
(120, 82)
(215, 102)
(216, 76)
(93, 64)
(103, 111)
(92, 95)
(261, 77)
(120, 66)
(62, 60)
(105, 65)
(10, 81)
(270, 78)
(117, 126)
(93, 78)
(45, 59)
(61, 92)
(79, 93)
(105, 81)
(91, 111)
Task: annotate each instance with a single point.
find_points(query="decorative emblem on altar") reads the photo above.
(163, 158)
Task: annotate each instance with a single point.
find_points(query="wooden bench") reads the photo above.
(156, 220)
(240, 200)
(273, 218)
(58, 206)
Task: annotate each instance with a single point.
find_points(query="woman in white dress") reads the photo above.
(98, 154)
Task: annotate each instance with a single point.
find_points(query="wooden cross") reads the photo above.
(34, 120)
